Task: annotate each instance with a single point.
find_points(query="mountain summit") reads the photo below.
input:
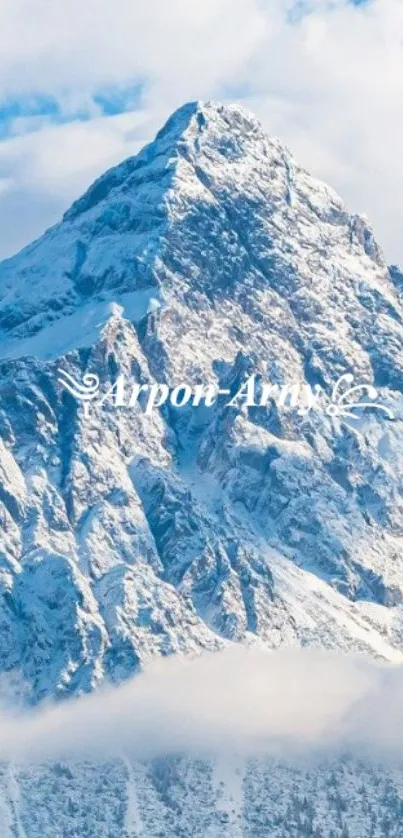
(210, 256)
(212, 176)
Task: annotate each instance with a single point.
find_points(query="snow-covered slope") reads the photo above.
(125, 536)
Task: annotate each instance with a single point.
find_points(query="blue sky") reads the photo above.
(45, 109)
(85, 84)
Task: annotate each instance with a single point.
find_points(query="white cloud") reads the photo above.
(330, 83)
(289, 703)
(88, 43)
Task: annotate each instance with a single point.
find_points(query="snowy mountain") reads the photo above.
(209, 256)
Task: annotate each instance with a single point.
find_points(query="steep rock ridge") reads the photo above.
(209, 256)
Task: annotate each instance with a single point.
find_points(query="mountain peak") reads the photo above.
(195, 128)
(212, 204)
(194, 118)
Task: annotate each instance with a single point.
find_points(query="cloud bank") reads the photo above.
(245, 701)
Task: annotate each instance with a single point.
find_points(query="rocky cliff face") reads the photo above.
(209, 256)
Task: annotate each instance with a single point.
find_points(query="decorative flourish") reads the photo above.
(85, 391)
(343, 404)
